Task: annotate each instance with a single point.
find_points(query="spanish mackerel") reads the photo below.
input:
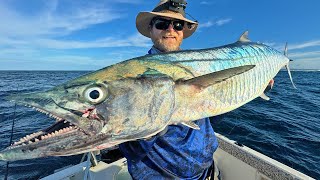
(138, 98)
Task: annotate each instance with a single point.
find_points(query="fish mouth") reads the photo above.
(79, 124)
(59, 129)
(60, 139)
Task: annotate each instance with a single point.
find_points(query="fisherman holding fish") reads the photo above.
(155, 107)
(178, 152)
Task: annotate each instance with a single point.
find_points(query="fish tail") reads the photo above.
(287, 65)
(288, 69)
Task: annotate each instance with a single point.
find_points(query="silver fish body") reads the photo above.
(138, 98)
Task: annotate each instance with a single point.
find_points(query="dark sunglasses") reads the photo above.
(163, 24)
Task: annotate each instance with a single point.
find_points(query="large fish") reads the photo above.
(138, 98)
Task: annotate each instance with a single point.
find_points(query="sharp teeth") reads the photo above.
(36, 140)
(30, 142)
(42, 137)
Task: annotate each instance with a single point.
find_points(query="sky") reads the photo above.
(89, 35)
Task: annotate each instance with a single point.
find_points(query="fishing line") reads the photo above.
(11, 137)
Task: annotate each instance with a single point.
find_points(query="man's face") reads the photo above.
(166, 40)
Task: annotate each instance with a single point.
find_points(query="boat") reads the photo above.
(234, 161)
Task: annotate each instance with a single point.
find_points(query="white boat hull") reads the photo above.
(235, 162)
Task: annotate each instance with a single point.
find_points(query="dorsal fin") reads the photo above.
(286, 50)
(244, 37)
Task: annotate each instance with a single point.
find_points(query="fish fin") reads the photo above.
(285, 52)
(217, 77)
(244, 37)
(288, 69)
(264, 96)
(191, 124)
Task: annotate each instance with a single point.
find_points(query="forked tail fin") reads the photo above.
(287, 65)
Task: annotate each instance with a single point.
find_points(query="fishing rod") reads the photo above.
(11, 137)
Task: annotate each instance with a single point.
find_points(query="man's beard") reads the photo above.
(165, 46)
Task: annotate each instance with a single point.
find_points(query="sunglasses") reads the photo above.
(163, 24)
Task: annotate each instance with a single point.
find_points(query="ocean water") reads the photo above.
(286, 128)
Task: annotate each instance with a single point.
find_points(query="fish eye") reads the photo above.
(95, 94)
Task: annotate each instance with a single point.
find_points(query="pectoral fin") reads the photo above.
(265, 97)
(217, 77)
(191, 124)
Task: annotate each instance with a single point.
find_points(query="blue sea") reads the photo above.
(286, 128)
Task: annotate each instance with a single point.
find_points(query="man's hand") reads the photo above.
(270, 86)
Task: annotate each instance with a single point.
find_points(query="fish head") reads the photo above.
(92, 114)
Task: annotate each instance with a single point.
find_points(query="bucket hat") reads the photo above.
(166, 8)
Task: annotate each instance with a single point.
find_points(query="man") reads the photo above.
(178, 152)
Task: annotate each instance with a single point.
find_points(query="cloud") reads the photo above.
(49, 34)
(135, 40)
(308, 63)
(206, 2)
(54, 20)
(51, 21)
(219, 22)
(223, 21)
(206, 24)
(312, 54)
(303, 45)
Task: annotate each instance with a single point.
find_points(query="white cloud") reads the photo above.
(49, 21)
(219, 22)
(205, 2)
(43, 33)
(206, 24)
(306, 63)
(312, 54)
(135, 40)
(303, 45)
(223, 21)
